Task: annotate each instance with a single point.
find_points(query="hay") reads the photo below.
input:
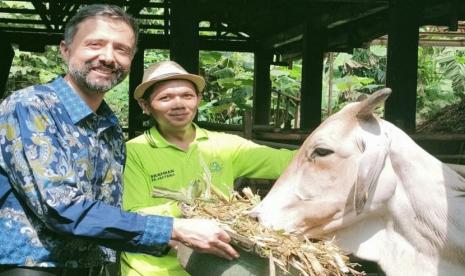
(308, 257)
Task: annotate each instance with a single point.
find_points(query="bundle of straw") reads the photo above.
(289, 252)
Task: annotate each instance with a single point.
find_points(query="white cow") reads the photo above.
(364, 181)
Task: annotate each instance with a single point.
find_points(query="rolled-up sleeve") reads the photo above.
(258, 161)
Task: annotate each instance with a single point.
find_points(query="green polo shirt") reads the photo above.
(213, 158)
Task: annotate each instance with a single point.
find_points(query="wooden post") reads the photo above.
(184, 36)
(314, 43)
(248, 124)
(5, 64)
(262, 87)
(135, 78)
(402, 64)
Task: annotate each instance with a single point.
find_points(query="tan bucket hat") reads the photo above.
(166, 70)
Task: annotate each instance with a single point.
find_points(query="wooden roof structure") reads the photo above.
(233, 25)
(275, 31)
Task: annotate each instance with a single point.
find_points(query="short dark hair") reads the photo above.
(95, 10)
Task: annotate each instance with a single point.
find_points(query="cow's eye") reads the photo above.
(320, 152)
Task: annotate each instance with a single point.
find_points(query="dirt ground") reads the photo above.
(451, 120)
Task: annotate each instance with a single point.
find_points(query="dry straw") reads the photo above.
(291, 253)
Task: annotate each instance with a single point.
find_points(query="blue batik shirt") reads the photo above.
(60, 183)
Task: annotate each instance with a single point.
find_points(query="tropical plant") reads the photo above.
(31, 68)
(440, 80)
(229, 76)
(228, 93)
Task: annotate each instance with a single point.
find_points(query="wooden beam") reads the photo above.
(19, 10)
(42, 11)
(136, 6)
(339, 19)
(61, 11)
(135, 78)
(72, 9)
(427, 42)
(402, 64)
(5, 64)
(342, 37)
(184, 36)
(210, 44)
(314, 44)
(30, 36)
(22, 21)
(262, 87)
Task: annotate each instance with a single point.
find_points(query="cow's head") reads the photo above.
(341, 172)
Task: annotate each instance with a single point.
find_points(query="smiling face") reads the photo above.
(173, 104)
(100, 54)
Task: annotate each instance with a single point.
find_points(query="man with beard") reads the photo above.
(61, 160)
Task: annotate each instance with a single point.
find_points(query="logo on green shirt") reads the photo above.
(215, 167)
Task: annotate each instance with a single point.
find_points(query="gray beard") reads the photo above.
(81, 76)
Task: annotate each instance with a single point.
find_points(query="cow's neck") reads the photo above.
(374, 238)
(429, 197)
(423, 223)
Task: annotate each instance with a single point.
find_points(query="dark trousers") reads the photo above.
(52, 271)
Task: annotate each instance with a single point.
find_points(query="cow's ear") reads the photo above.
(370, 165)
(374, 100)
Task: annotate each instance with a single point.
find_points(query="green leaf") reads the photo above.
(378, 50)
(227, 82)
(223, 73)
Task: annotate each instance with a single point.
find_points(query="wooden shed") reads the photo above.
(273, 30)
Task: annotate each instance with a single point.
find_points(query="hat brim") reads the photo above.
(198, 81)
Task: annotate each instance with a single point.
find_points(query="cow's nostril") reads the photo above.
(254, 214)
(256, 219)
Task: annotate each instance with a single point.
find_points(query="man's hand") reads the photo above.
(204, 236)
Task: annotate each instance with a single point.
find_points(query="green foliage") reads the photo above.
(285, 83)
(118, 100)
(152, 56)
(229, 76)
(353, 76)
(440, 80)
(31, 68)
(228, 93)
(452, 62)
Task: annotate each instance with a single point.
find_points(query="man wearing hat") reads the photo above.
(176, 160)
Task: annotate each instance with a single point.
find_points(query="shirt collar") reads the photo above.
(75, 105)
(155, 139)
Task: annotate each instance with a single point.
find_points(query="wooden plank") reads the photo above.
(277, 145)
(248, 124)
(272, 136)
(450, 156)
(439, 137)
